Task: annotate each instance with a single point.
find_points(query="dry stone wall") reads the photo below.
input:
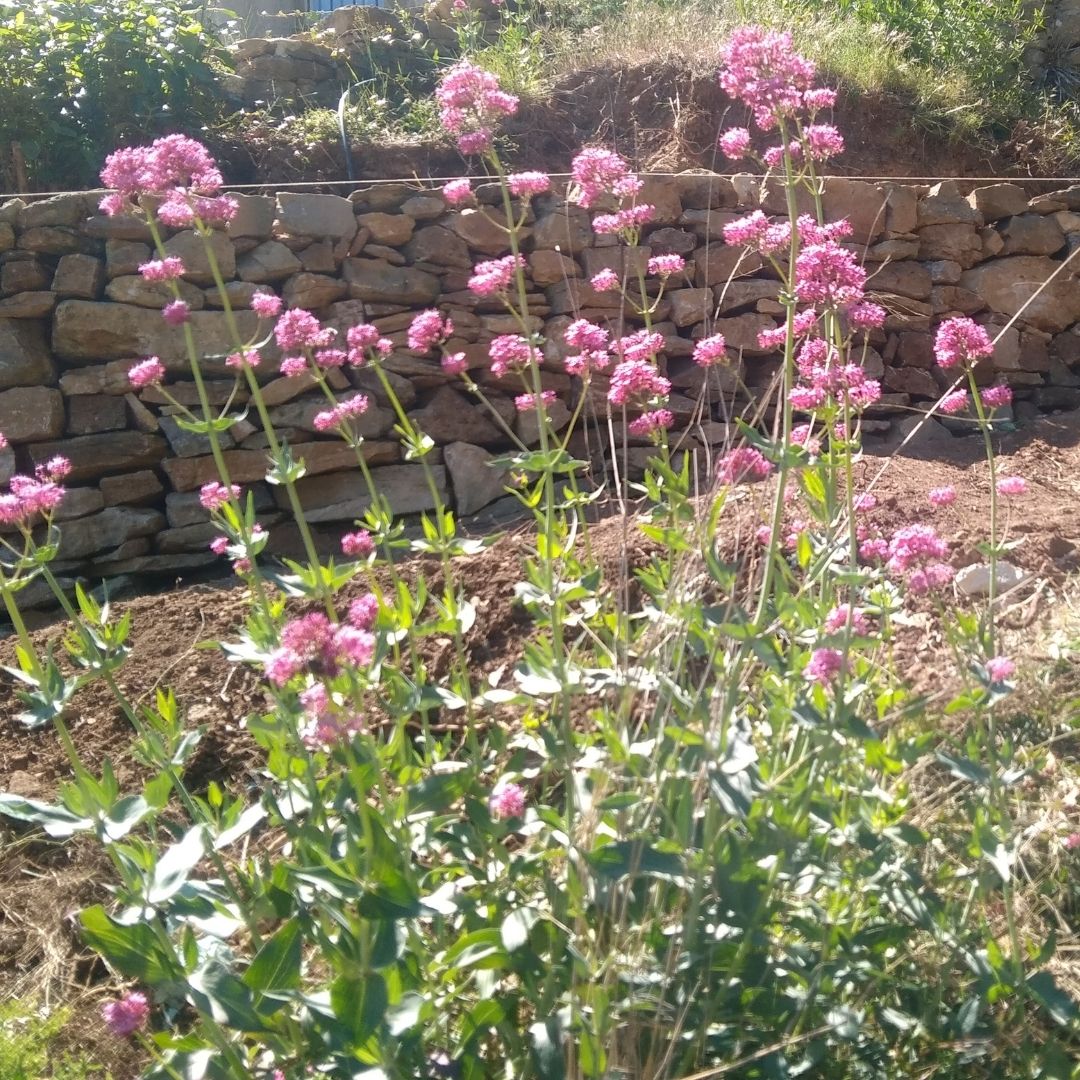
(74, 315)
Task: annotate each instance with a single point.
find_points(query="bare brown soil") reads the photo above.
(43, 884)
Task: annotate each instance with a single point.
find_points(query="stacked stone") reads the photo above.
(75, 314)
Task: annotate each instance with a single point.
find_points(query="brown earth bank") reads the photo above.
(661, 117)
(44, 884)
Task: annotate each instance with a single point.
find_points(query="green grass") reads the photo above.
(28, 1035)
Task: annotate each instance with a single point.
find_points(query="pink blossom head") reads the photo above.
(3, 441)
(636, 382)
(997, 397)
(650, 424)
(126, 1016)
(427, 330)
(493, 277)
(843, 616)
(148, 372)
(358, 545)
(249, 358)
(214, 495)
(527, 184)
(596, 172)
(942, 496)
(824, 665)
(1011, 485)
(219, 545)
(822, 141)
(535, 402)
(471, 103)
(829, 275)
(364, 611)
(710, 351)
(606, 281)
(299, 329)
(666, 265)
(266, 305)
(954, 402)
(457, 192)
(507, 801)
(176, 313)
(1072, 841)
(760, 68)
(742, 464)
(961, 341)
(168, 269)
(455, 363)
(1000, 669)
(734, 143)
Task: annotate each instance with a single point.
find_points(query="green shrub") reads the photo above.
(78, 79)
(26, 1039)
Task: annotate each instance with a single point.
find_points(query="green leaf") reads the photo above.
(405, 1015)
(277, 964)
(124, 816)
(360, 1004)
(1061, 1006)
(964, 769)
(219, 994)
(172, 869)
(55, 820)
(634, 857)
(438, 791)
(134, 949)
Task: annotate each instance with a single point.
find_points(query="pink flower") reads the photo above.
(994, 397)
(213, 496)
(710, 351)
(3, 441)
(666, 265)
(636, 382)
(427, 330)
(457, 192)
(866, 316)
(507, 801)
(942, 496)
(824, 665)
(494, 276)
(829, 275)
(761, 69)
(176, 313)
(819, 98)
(1072, 841)
(470, 104)
(823, 141)
(1011, 485)
(126, 1016)
(734, 143)
(954, 402)
(528, 184)
(960, 341)
(299, 329)
(266, 305)
(529, 402)
(640, 345)
(362, 336)
(341, 413)
(802, 435)
(249, 358)
(358, 545)
(364, 611)
(842, 615)
(219, 545)
(293, 366)
(596, 172)
(606, 281)
(742, 464)
(511, 352)
(148, 372)
(1000, 668)
(167, 269)
(918, 553)
(649, 423)
(455, 363)
(623, 221)
(331, 358)
(774, 338)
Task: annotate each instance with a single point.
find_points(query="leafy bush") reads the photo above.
(677, 840)
(26, 1038)
(77, 79)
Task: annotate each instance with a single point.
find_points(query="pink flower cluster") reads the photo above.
(471, 102)
(313, 644)
(591, 342)
(299, 329)
(533, 402)
(761, 69)
(493, 277)
(844, 615)
(342, 413)
(710, 351)
(428, 329)
(636, 382)
(364, 340)
(126, 1016)
(507, 801)
(741, 464)
(652, 422)
(214, 495)
(596, 172)
(1000, 668)
(358, 545)
(168, 269)
(176, 169)
(606, 281)
(961, 341)
(28, 496)
(527, 184)
(148, 372)
(666, 265)
(511, 352)
(823, 666)
(457, 192)
(917, 553)
(266, 305)
(824, 381)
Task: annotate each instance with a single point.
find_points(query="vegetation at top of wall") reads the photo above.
(79, 78)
